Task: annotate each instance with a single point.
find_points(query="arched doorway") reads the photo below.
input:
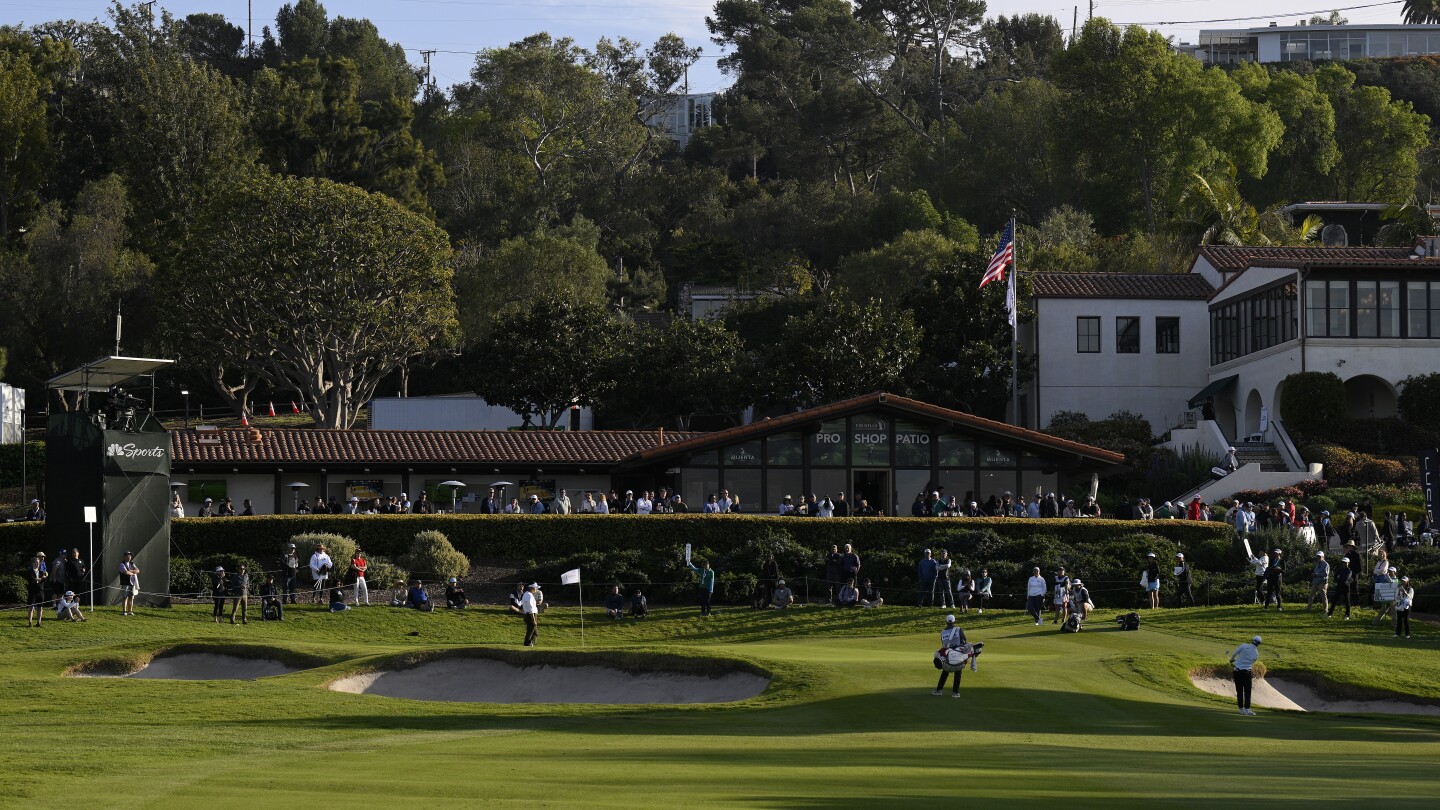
(1253, 404)
(1369, 397)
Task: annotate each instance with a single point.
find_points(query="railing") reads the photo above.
(1286, 448)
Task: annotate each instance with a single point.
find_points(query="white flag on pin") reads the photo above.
(571, 577)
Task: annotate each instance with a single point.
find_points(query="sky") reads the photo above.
(456, 29)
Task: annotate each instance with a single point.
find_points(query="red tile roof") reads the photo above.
(1120, 285)
(1230, 258)
(1040, 442)
(418, 446)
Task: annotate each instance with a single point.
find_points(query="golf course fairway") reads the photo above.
(1099, 718)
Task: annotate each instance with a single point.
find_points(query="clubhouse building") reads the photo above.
(879, 447)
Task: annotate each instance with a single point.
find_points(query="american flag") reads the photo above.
(1003, 258)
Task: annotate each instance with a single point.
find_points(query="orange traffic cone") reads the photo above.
(293, 407)
(272, 409)
(244, 420)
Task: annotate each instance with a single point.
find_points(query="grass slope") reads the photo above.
(1090, 719)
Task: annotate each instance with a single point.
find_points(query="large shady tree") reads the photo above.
(311, 285)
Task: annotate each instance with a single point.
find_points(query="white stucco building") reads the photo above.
(1106, 342)
(1230, 331)
(1315, 43)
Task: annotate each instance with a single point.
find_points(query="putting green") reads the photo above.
(1097, 718)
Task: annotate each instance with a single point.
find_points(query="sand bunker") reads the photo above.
(477, 680)
(204, 667)
(1282, 693)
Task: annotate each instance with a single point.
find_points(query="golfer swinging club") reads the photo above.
(1243, 659)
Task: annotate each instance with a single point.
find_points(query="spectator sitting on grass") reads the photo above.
(870, 595)
(337, 600)
(69, 608)
(784, 597)
(639, 607)
(515, 597)
(272, 604)
(848, 596)
(418, 598)
(455, 598)
(615, 603)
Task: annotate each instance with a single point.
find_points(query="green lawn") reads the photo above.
(849, 721)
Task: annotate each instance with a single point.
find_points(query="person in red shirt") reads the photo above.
(358, 565)
(1195, 512)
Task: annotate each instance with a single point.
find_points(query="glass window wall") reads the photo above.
(870, 441)
(827, 445)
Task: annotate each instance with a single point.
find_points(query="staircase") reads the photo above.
(1263, 454)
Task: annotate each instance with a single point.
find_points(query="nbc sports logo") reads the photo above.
(131, 451)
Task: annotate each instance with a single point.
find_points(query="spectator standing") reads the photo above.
(1152, 580)
(36, 512)
(1404, 598)
(227, 508)
(491, 505)
(1319, 583)
(320, 567)
(1196, 509)
(531, 611)
(290, 569)
(207, 509)
(1275, 580)
(76, 570)
(36, 576)
(644, 505)
(1035, 590)
(926, 572)
(240, 595)
(602, 506)
(711, 505)
(850, 564)
(129, 584)
(725, 502)
(1344, 591)
(705, 586)
(1243, 660)
(562, 503)
(1231, 462)
(834, 572)
(1384, 606)
(1182, 582)
(769, 576)
(942, 580)
(842, 506)
(248, 509)
(58, 576)
(177, 509)
(358, 566)
(218, 590)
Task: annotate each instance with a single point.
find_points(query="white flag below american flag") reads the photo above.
(1003, 258)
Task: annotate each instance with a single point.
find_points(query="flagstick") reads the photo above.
(581, 590)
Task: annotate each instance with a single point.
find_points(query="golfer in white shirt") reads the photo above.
(530, 609)
(1035, 590)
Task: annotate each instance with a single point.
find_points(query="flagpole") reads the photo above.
(1015, 324)
(581, 589)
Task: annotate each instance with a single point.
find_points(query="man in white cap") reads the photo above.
(69, 607)
(1259, 565)
(530, 610)
(290, 568)
(1182, 582)
(1404, 598)
(36, 511)
(320, 566)
(1231, 463)
(1243, 660)
(208, 509)
(537, 506)
(1320, 583)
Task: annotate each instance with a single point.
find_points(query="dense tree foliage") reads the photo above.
(849, 184)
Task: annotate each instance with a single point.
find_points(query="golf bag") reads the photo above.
(1072, 624)
(1130, 621)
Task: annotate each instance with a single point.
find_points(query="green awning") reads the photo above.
(1215, 387)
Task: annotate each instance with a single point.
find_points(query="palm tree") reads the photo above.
(1404, 223)
(1421, 11)
(1216, 214)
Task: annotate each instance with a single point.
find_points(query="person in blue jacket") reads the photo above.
(928, 570)
(706, 585)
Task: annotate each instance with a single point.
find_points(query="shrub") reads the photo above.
(1311, 403)
(1419, 400)
(432, 555)
(383, 574)
(205, 569)
(1346, 468)
(341, 549)
(12, 589)
(1320, 503)
(185, 577)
